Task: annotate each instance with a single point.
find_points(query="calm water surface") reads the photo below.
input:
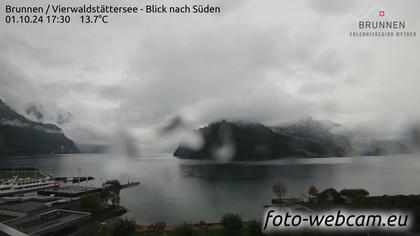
(174, 190)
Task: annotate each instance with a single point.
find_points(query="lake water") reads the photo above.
(174, 190)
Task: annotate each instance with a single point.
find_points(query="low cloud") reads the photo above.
(268, 62)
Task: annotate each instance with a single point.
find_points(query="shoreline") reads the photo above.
(169, 227)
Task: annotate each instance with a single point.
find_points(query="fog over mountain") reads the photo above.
(20, 136)
(307, 138)
(140, 73)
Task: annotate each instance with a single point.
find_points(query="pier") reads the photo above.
(130, 184)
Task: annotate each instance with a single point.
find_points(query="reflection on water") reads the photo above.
(175, 190)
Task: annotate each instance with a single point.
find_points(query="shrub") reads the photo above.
(184, 229)
(123, 227)
(354, 193)
(91, 203)
(232, 224)
(254, 228)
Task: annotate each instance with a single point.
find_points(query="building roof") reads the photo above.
(47, 222)
(69, 191)
(23, 206)
(18, 207)
(7, 230)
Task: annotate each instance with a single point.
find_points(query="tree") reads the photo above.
(111, 191)
(91, 203)
(232, 224)
(279, 189)
(105, 195)
(354, 193)
(313, 191)
(330, 196)
(184, 229)
(254, 228)
(123, 227)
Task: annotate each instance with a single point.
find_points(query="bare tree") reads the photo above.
(279, 189)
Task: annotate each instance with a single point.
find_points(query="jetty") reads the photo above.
(130, 184)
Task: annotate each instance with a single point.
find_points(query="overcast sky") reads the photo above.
(263, 61)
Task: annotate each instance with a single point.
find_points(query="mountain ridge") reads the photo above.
(21, 136)
(242, 141)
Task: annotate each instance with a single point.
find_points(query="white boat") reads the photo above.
(16, 186)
